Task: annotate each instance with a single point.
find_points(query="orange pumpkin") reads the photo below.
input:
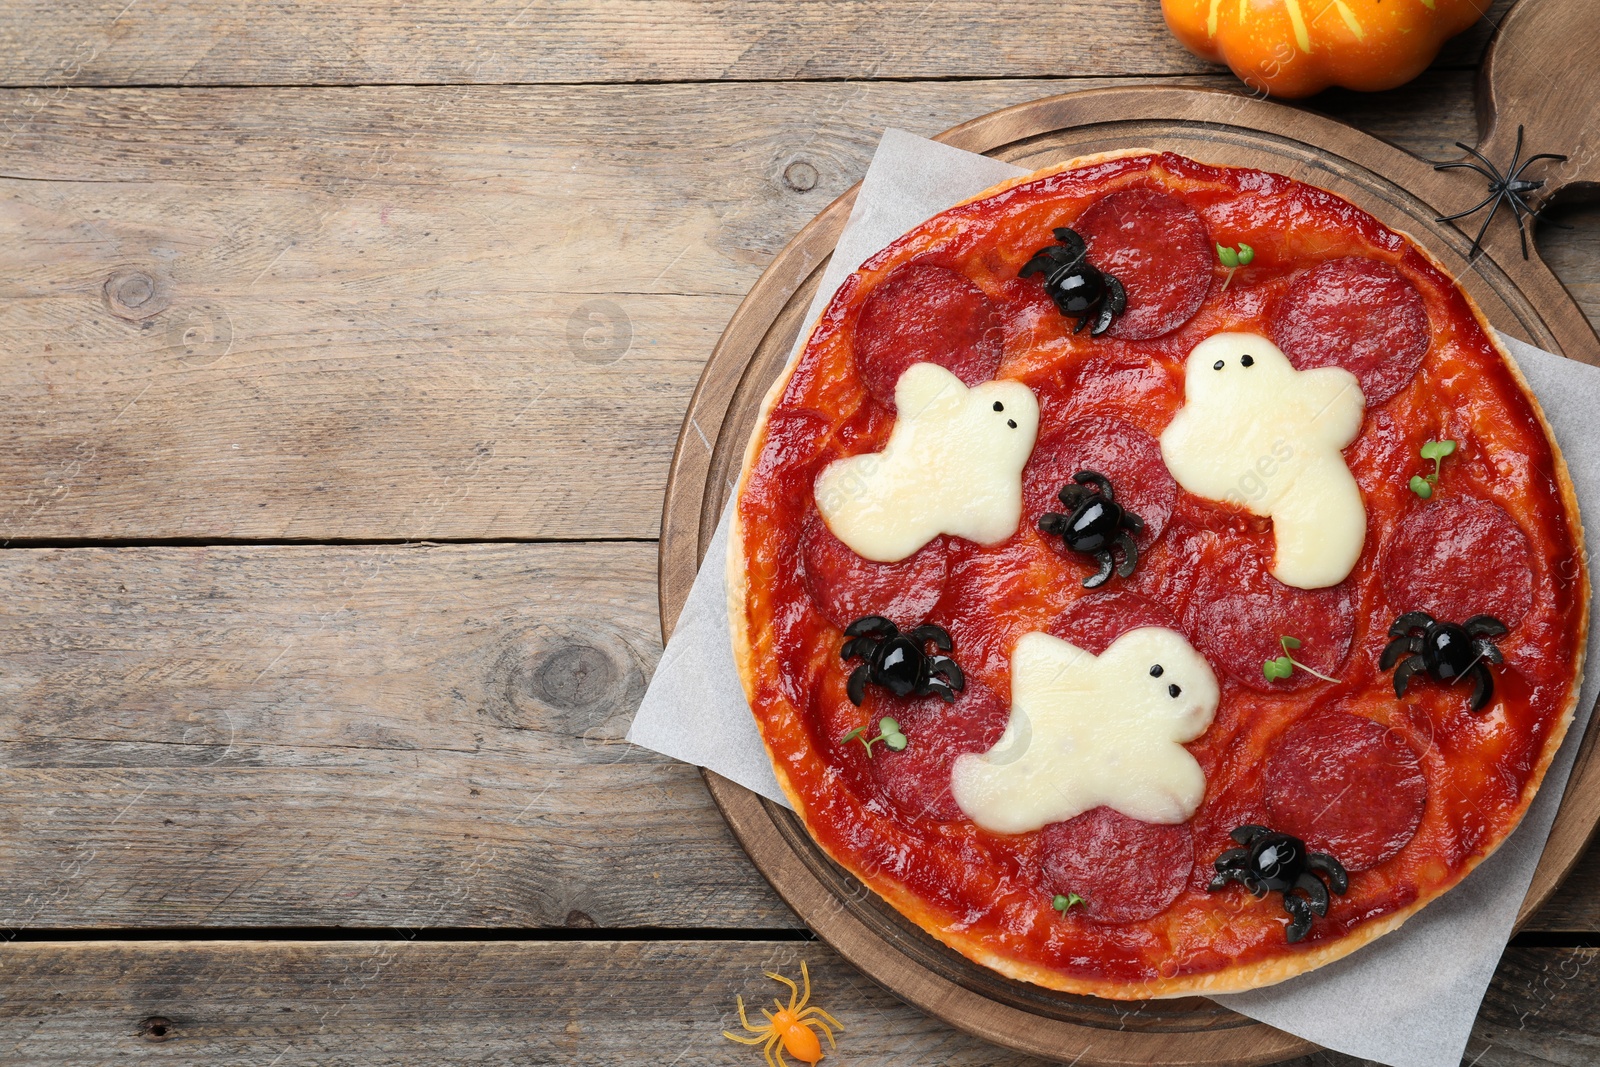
(1294, 48)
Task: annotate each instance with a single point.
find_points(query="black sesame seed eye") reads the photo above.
(1174, 690)
(1219, 364)
(1248, 361)
(999, 406)
(1155, 672)
(1011, 423)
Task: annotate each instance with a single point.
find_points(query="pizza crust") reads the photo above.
(1238, 977)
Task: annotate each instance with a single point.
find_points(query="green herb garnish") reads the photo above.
(1233, 259)
(1284, 665)
(1435, 451)
(1062, 903)
(888, 732)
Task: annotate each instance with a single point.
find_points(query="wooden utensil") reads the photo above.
(1538, 76)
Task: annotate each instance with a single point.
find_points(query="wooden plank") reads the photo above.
(664, 1002)
(410, 735)
(398, 313)
(298, 42)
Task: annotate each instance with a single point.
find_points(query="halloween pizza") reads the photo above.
(1154, 578)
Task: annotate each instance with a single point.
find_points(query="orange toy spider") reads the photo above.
(791, 1025)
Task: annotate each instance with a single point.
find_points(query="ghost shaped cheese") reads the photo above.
(1088, 730)
(952, 465)
(1258, 434)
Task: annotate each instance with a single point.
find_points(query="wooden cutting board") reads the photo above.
(1534, 77)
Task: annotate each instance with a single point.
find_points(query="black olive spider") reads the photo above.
(1273, 862)
(1094, 524)
(1510, 187)
(1077, 289)
(1447, 651)
(899, 662)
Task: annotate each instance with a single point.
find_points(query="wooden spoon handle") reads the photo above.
(1542, 74)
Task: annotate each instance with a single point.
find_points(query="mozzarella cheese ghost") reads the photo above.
(1256, 433)
(953, 465)
(1089, 730)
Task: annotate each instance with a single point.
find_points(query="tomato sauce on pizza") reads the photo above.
(1305, 737)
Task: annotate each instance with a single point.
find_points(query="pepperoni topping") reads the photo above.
(1460, 558)
(925, 314)
(1125, 454)
(1347, 786)
(1093, 622)
(1125, 870)
(1239, 612)
(1358, 314)
(1159, 249)
(916, 780)
(847, 587)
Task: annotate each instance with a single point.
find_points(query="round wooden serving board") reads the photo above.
(1521, 297)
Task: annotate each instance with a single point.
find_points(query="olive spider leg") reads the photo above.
(1074, 243)
(870, 625)
(1338, 878)
(1482, 685)
(929, 632)
(1300, 911)
(1411, 620)
(1098, 480)
(1400, 646)
(1484, 626)
(1107, 565)
(1130, 554)
(1316, 892)
(948, 669)
(856, 687)
(1402, 674)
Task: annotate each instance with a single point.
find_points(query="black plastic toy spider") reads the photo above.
(1078, 290)
(1273, 862)
(899, 662)
(1447, 651)
(1094, 523)
(1511, 188)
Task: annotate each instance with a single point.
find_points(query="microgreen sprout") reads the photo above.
(1233, 259)
(1435, 451)
(1284, 665)
(1063, 903)
(888, 732)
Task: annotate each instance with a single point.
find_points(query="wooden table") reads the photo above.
(346, 347)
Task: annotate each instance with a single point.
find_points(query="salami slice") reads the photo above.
(1125, 454)
(846, 587)
(1093, 622)
(1458, 558)
(925, 314)
(1347, 786)
(1238, 613)
(1125, 870)
(1358, 314)
(1159, 249)
(916, 780)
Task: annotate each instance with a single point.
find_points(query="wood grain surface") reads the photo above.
(291, 273)
(590, 1002)
(274, 42)
(425, 313)
(405, 735)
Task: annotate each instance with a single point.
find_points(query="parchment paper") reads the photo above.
(1409, 999)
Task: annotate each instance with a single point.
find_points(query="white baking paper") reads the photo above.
(1409, 999)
